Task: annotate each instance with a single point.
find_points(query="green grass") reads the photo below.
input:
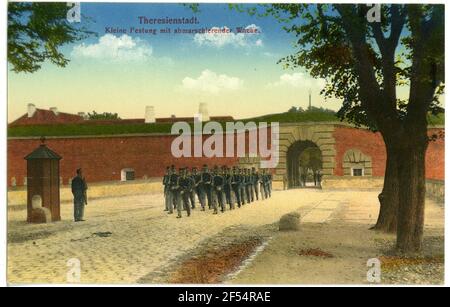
(75, 130)
(296, 117)
(436, 120)
(79, 130)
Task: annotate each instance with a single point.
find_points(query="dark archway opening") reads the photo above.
(304, 165)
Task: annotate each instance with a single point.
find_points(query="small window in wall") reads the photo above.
(127, 174)
(357, 172)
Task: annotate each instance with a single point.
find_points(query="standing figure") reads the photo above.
(236, 185)
(166, 184)
(269, 184)
(218, 192)
(207, 185)
(319, 178)
(242, 188)
(227, 187)
(186, 187)
(192, 193)
(262, 184)
(255, 183)
(199, 187)
(249, 186)
(173, 194)
(79, 188)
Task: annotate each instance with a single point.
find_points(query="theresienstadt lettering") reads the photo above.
(168, 21)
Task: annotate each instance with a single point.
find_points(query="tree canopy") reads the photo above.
(36, 32)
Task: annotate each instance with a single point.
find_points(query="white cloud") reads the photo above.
(224, 36)
(298, 80)
(213, 83)
(110, 47)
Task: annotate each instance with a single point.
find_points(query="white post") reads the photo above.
(150, 114)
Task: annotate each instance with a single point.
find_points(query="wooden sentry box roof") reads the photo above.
(43, 152)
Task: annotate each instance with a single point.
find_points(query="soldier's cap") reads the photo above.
(78, 170)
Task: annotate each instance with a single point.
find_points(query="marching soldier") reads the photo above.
(173, 192)
(249, 186)
(236, 186)
(207, 185)
(227, 187)
(255, 183)
(199, 188)
(242, 188)
(218, 184)
(262, 185)
(269, 184)
(186, 187)
(192, 193)
(79, 188)
(166, 184)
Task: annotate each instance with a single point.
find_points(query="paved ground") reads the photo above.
(144, 238)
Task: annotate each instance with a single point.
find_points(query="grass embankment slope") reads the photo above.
(86, 130)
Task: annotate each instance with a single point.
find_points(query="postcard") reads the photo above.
(231, 144)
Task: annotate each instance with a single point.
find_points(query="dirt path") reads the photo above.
(144, 239)
(343, 234)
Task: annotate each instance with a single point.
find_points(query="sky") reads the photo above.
(235, 74)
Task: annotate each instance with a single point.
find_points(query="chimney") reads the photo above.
(31, 109)
(203, 111)
(150, 114)
(54, 110)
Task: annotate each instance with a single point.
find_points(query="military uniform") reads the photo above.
(218, 193)
(199, 189)
(262, 185)
(173, 193)
(269, 185)
(186, 187)
(166, 184)
(255, 184)
(227, 189)
(236, 187)
(192, 192)
(242, 188)
(249, 187)
(207, 187)
(79, 188)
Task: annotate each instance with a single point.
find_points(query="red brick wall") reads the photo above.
(372, 144)
(103, 158)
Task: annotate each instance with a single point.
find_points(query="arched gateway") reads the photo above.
(294, 138)
(303, 157)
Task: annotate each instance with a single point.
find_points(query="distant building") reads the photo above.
(35, 116)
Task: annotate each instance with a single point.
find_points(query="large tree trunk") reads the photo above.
(389, 197)
(411, 209)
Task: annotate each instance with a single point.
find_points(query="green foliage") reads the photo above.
(364, 63)
(36, 31)
(297, 117)
(87, 129)
(104, 115)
